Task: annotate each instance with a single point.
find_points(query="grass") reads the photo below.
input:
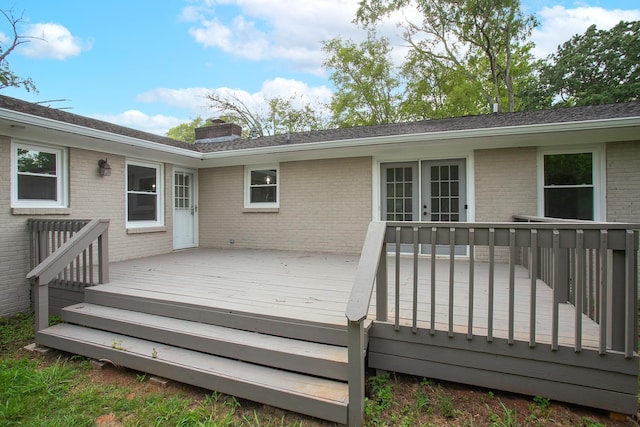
(58, 389)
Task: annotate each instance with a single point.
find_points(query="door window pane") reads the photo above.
(399, 197)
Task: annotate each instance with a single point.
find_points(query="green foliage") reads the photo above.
(186, 132)
(369, 89)
(380, 400)
(508, 418)
(597, 67)
(464, 56)
(7, 77)
(16, 332)
(273, 116)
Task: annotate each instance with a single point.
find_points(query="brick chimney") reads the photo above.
(217, 130)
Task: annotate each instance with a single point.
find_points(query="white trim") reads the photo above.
(159, 167)
(62, 176)
(247, 186)
(598, 175)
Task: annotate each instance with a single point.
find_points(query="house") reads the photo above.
(314, 191)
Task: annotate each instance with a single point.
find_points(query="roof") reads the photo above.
(21, 106)
(487, 121)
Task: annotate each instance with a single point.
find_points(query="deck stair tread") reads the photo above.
(312, 358)
(272, 321)
(318, 397)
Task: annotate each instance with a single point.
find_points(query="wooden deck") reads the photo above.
(315, 288)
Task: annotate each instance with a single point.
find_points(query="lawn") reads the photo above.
(59, 389)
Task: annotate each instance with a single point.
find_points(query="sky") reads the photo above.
(149, 64)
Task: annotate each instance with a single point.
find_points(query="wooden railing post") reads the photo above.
(356, 373)
(103, 257)
(40, 295)
(381, 286)
(616, 300)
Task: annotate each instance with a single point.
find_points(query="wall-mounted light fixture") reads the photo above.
(105, 168)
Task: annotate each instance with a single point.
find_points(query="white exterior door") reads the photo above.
(424, 191)
(185, 209)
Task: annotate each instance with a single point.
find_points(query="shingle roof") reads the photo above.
(75, 119)
(487, 121)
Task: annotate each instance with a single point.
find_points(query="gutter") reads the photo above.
(46, 123)
(440, 136)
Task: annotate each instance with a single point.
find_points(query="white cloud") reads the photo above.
(191, 99)
(273, 30)
(52, 41)
(194, 99)
(158, 124)
(558, 24)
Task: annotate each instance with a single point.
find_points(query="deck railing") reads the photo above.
(63, 252)
(601, 280)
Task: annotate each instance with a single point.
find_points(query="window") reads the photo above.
(144, 194)
(569, 185)
(399, 192)
(39, 176)
(261, 187)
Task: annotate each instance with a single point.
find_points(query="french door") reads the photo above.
(430, 190)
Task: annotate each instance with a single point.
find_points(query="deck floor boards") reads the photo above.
(315, 287)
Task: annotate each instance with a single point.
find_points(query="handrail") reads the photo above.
(58, 260)
(613, 246)
(372, 265)
(360, 298)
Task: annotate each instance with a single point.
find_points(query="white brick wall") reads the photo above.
(325, 206)
(623, 182)
(505, 183)
(90, 196)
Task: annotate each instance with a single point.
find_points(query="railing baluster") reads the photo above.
(492, 249)
(472, 233)
(534, 283)
(630, 344)
(603, 279)
(397, 285)
(91, 278)
(579, 289)
(416, 246)
(512, 283)
(434, 232)
(452, 251)
(557, 270)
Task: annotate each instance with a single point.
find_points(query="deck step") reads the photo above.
(317, 397)
(189, 309)
(323, 360)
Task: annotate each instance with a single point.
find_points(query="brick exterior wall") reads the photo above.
(505, 183)
(623, 182)
(90, 196)
(325, 206)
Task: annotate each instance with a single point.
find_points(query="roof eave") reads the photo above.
(463, 136)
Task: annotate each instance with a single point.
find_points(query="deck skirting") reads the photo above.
(586, 378)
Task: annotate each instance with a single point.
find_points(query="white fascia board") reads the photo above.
(463, 136)
(43, 122)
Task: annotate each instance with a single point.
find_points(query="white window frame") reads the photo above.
(598, 176)
(159, 167)
(248, 186)
(61, 176)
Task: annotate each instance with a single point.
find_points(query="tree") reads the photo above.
(369, 90)
(186, 132)
(597, 67)
(7, 77)
(478, 38)
(274, 116)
